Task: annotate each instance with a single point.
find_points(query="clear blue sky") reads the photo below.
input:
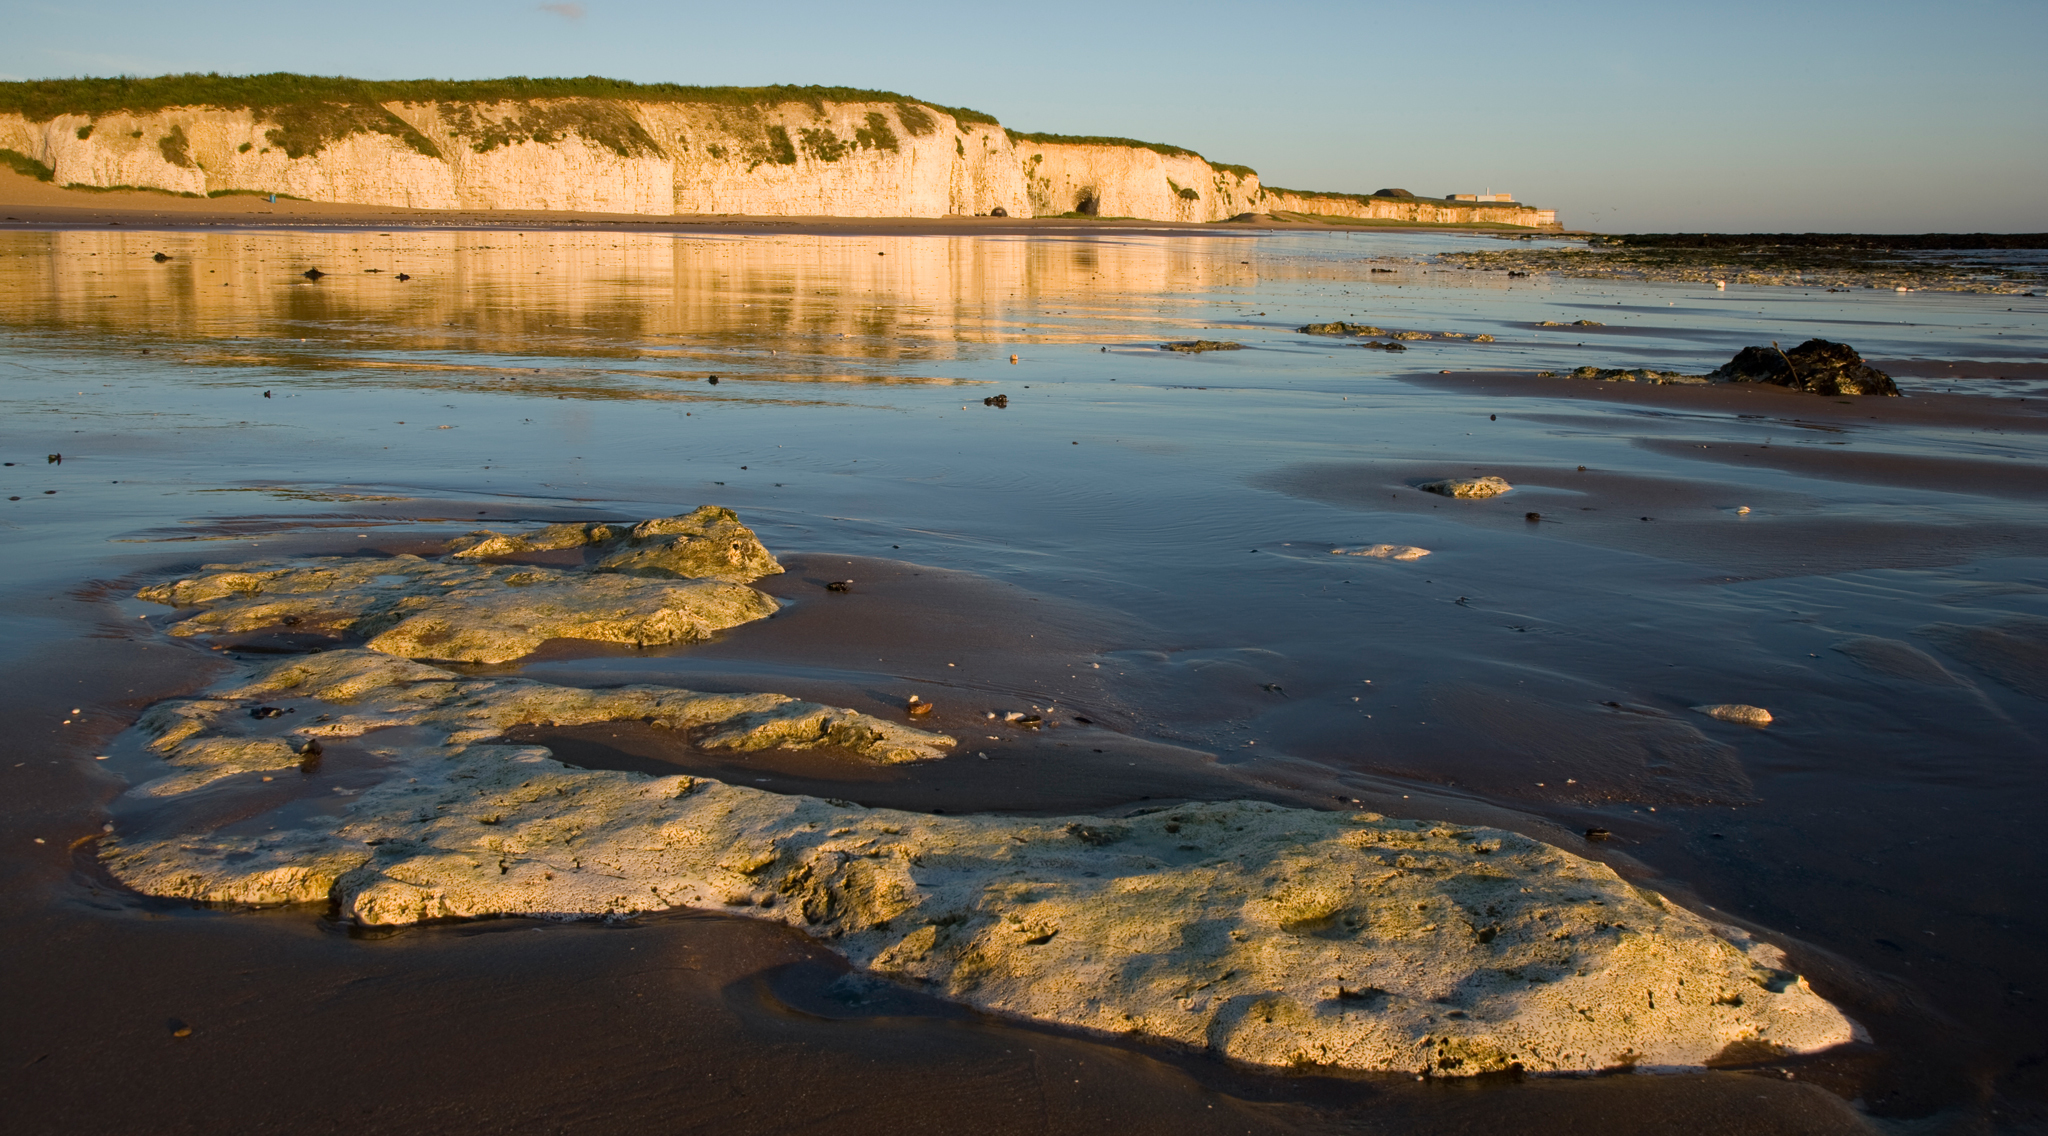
(1872, 116)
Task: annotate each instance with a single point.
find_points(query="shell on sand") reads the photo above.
(1264, 934)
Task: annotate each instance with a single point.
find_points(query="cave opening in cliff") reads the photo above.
(1088, 204)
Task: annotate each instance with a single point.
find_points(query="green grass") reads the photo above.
(253, 193)
(84, 188)
(915, 120)
(1018, 137)
(176, 148)
(876, 135)
(603, 123)
(825, 146)
(41, 100)
(26, 166)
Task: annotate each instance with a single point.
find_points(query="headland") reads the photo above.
(601, 146)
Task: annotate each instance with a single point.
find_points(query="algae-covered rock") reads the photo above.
(1638, 375)
(1467, 486)
(661, 582)
(353, 692)
(1816, 366)
(1264, 934)
(709, 544)
(1198, 346)
(1339, 327)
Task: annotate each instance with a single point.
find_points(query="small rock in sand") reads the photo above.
(1737, 712)
(1488, 486)
(1385, 552)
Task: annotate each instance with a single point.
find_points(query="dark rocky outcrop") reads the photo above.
(1816, 366)
(1339, 327)
(1637, 375)
(1197, 346)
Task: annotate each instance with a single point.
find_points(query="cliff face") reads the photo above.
(1421, 209)
(889, 157)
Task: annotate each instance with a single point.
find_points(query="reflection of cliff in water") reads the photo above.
(819, 301)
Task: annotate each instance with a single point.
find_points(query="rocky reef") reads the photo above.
(1815, 366)
(1268, 935)
(391, 790)
(1638, 375)
(663, 581)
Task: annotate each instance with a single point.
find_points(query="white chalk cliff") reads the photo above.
(802, 157)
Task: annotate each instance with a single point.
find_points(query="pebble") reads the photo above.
(1736, 712)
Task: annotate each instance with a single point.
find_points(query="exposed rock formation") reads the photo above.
(1816, 366)
(1637, 375)
(522, 144)
(209, 739)
(1339, 327)
(1198, 346)
(668, 580)
(1264, 934)
(1400, 205)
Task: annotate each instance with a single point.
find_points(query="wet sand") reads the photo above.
(1150, 553)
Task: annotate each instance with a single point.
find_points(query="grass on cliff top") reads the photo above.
(1018, 137)
(43, 99)
(1364, 197)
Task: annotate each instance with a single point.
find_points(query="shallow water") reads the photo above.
(1165, 522)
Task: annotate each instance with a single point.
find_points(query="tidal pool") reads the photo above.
(1137, 546)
